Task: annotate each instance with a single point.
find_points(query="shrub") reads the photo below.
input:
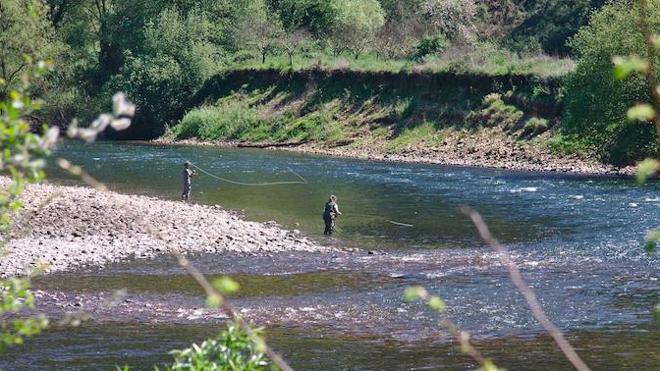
(534, 126)
(495, 113)
(430, 45)
(596, 104)
(232, 350)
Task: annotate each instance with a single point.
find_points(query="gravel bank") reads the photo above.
(72, 227)
(488, 148)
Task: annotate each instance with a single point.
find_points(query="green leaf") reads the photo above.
(436, 304)
(226, 285)
(214, 301)
(652, 239)
(413, 293)
(641, 112)
(646, 169)
(624, 66)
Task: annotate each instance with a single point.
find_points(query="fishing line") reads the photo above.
(301, 181)
(385, 219)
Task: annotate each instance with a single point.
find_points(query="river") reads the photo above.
(578, 240)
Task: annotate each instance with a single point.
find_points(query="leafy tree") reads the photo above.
(454, 18)
(317, 16)
(596, 105)
(293, 41)
(179, 55)
(24, 31)
(553, 22)
(260, 29)
(356, 25)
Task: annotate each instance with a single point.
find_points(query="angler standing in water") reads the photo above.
(186, 177)
(330, 212)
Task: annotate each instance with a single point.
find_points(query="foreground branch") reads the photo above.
(185, 263)
(526, 291)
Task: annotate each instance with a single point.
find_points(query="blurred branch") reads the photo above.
(650, 71)
(526, 291)
(210, 291)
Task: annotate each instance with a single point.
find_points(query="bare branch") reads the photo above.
(526, 291)
(185, 263)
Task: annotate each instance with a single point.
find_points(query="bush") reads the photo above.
(596, 104)
(534, 126)
(228, 120)
(495, 113)
(430, 45)
(233, 350)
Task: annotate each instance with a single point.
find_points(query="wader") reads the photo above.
(329, 217)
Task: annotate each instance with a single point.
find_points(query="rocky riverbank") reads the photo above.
(488, 148)
(62, 228)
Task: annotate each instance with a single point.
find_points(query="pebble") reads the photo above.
(82, 227)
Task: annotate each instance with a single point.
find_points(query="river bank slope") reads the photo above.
(64, 228)
(507, 121)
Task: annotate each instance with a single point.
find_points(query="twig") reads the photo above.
(526, 291)
(185, 263)
(464, 339)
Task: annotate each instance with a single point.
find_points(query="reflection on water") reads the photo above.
(577, 240)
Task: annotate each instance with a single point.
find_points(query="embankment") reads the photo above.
(70, 227)
(458, 119)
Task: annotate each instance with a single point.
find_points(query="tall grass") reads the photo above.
(484, 58)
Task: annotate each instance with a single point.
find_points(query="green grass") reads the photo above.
(486, 60)
(425, 135)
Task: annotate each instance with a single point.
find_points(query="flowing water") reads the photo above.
(576, 238)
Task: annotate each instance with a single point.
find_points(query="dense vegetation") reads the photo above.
(161, 53)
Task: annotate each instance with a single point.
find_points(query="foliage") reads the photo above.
(430, 45)
(454, 18)
(15, 297)
(495, 113)
(261, 29)
(179, 55)
(356, 25)
(534, 126)
(596, 104)
(232, 350)
(24, 31)
(550, 23)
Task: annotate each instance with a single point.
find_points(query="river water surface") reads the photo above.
(576, 238)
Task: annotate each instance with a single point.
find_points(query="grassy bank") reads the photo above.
(396, 110)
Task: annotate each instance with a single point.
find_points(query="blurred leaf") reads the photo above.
(413, 293)
(214, 301)
(226, 285)
(646, 169)
(641, 112)
(436, 304)
(624, 66)
(652, 239)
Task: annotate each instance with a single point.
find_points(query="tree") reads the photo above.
(260, 29)
(596, 105)
(454, 18)
(25, 33)
(553, 22)
(356, 25)
(292, 41)
(179, 54)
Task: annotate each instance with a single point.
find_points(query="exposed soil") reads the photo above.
(488, 148)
